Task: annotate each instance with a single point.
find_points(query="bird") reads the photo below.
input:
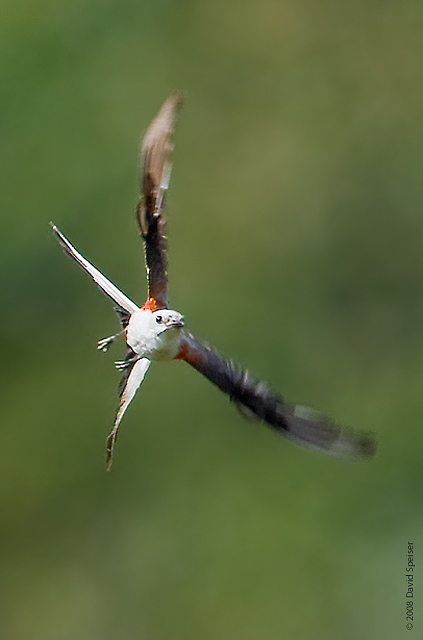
(155, 333)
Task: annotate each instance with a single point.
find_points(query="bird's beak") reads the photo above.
(173, 322)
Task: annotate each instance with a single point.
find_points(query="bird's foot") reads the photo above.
(105, 343)
(121, 365)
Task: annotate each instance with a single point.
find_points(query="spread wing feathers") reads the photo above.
(124, 306)
(155, 158)
(136, 372)
(299, 424)
(124, 315)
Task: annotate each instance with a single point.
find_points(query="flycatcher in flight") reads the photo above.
(154, 332)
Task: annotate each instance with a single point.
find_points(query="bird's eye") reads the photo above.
(159, 319)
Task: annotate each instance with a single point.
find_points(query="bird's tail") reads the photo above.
(125, 306)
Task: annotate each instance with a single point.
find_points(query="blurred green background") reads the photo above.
(296, 236)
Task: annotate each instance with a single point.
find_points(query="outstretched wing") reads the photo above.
(124, 306)
(132, 379)
(302, 425)
(155, 157)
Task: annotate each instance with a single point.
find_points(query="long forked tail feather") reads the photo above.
(125, 305)
(133, 377)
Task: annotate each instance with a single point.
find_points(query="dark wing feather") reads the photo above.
(155, 157)
(124, 315)
(304, 426)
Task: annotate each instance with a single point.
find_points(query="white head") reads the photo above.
(164, 319)
(155, 334)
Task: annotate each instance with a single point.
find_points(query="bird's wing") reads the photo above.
(304, 426)
(130, 383)
(155, 158)
(125, 307)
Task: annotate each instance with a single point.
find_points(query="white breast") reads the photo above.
(149, 340)
(139, 335)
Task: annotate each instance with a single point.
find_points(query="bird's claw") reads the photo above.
(105, 343)
(121, 365)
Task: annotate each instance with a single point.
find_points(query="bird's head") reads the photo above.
(155, 334)
(165, 319)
